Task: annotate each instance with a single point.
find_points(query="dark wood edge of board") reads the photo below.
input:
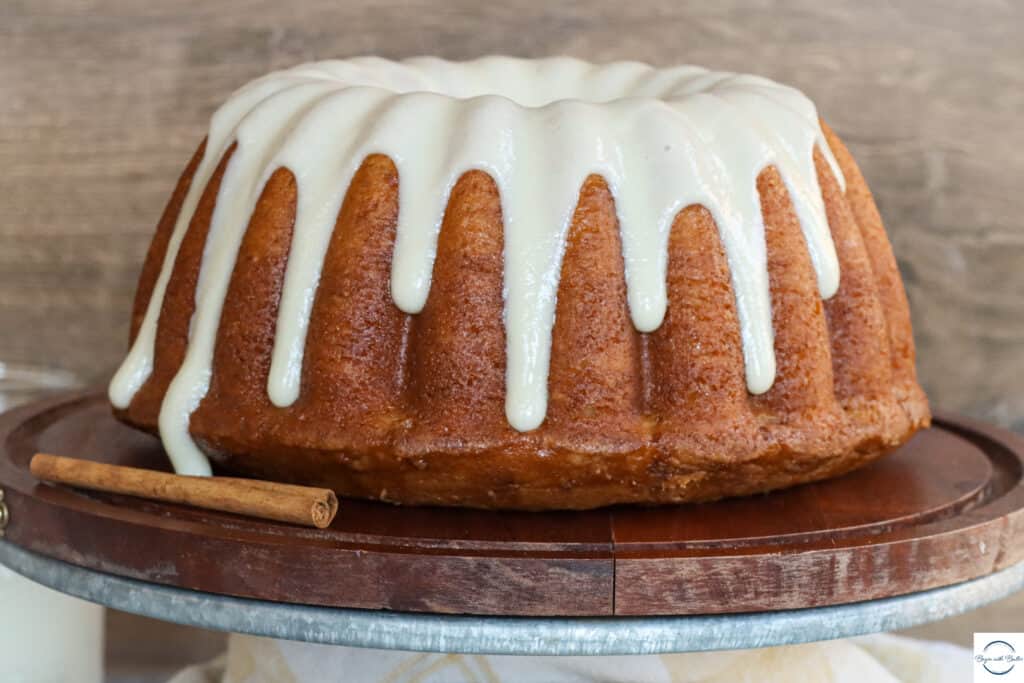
(596, 575)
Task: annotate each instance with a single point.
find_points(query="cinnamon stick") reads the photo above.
(304, 505)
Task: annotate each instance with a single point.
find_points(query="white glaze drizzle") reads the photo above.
(662, 139)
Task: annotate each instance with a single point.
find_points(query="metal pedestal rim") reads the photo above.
(510, 635)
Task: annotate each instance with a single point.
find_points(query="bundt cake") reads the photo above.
(527, 284)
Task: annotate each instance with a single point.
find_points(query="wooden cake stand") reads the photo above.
(934, 529)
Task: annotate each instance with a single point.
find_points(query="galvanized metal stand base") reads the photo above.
(511, 635)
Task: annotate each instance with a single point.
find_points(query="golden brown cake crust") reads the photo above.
(410, 409)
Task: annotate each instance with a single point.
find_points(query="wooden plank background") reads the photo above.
(103, 101)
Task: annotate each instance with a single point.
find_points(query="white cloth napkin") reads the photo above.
(870, 659)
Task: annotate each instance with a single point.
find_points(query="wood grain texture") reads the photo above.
(374, 556)
(103, 101)
(946, 507)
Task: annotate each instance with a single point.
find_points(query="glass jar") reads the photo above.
(45, 636)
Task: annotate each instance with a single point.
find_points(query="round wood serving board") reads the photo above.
(947, 507)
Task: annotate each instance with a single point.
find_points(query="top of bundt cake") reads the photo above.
(662, 140)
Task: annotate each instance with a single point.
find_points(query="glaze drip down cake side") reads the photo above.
(528, 284)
